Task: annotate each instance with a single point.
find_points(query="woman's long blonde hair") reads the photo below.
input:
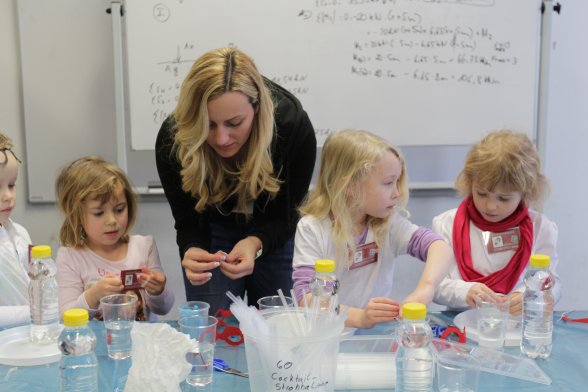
(347, 157)
(508, 159)
(86, 177)
(205, 175)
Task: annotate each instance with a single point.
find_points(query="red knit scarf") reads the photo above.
(504, 280)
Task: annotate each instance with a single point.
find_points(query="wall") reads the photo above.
(567, 137)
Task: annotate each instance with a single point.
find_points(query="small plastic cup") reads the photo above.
(194, 308)
(492, 318)
(203, 330)
(274, 302)
(118, 312)
(457, 372)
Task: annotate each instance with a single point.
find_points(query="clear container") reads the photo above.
(414, 358)
(78, 365)
(537, 326)
(43, 296)
(324, 285)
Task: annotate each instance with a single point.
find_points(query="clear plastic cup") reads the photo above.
(274, 302)
(492, 317)
(118, 312)
(203, 330)
(457, 372)
(193, 308)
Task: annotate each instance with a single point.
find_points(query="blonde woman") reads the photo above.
(494, 231)
(355, 217)
(235, 160)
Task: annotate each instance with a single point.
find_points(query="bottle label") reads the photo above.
(364, 255)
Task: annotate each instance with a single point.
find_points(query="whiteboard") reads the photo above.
(68, 87)
(417, 72)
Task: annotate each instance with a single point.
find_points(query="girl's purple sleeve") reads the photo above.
(301, 276)
(420, 241)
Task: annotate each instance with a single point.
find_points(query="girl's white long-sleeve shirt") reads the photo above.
(14, 280)
(314, 241)
(453, 290)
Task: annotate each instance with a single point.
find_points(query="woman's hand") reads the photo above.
(197, 263)
(241, 260)
(108, 284)
(152, 281)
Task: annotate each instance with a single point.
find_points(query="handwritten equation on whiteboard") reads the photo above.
(311, 46)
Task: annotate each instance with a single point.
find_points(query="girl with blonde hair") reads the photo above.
(356, 216)
(494, 230)
(235, 159)
(100, 208)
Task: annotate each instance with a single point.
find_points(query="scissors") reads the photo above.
(222, 366)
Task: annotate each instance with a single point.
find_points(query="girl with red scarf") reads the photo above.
(494, 230)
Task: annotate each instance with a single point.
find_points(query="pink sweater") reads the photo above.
(77, 269)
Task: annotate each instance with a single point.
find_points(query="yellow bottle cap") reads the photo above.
(41, 251)
(540, 261)
(414, 311)
(324, 266)
(75, 317)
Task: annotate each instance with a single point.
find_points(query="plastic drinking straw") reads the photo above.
(293, 325)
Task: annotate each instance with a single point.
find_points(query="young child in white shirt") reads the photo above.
(494, 231)
(354, 216)
(14, 244)
(100, 208)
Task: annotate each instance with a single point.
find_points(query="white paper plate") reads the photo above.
(16, 349)
(468, 319)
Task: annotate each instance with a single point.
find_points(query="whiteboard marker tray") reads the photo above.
(16, 349)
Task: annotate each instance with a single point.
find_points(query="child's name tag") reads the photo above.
(503, 241)
(129, 279)
(364, 255)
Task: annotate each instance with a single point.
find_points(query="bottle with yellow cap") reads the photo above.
(414, 358)
(78, 365)
(43, 296)
(537, 326)
(324, 286)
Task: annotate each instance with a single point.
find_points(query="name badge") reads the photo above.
(503, 241)
(364, 255)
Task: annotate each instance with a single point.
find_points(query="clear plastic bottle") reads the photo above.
(78, 365)
(324, 285)
(414, 358)
(537, 328)
(43, 296)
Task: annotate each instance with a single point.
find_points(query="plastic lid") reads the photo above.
(75, 317)
(540, 261)
(41, 251)
(324, 266)
(414, 311)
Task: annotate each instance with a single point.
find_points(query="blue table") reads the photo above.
(567, 366)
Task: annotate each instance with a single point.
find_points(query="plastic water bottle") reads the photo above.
(78, 365)
(414, 359)
(324, 286)
(537, 327)
(43, 296)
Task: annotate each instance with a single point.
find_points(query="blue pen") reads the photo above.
(222, 366)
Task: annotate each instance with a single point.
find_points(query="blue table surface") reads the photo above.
(567, 366)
